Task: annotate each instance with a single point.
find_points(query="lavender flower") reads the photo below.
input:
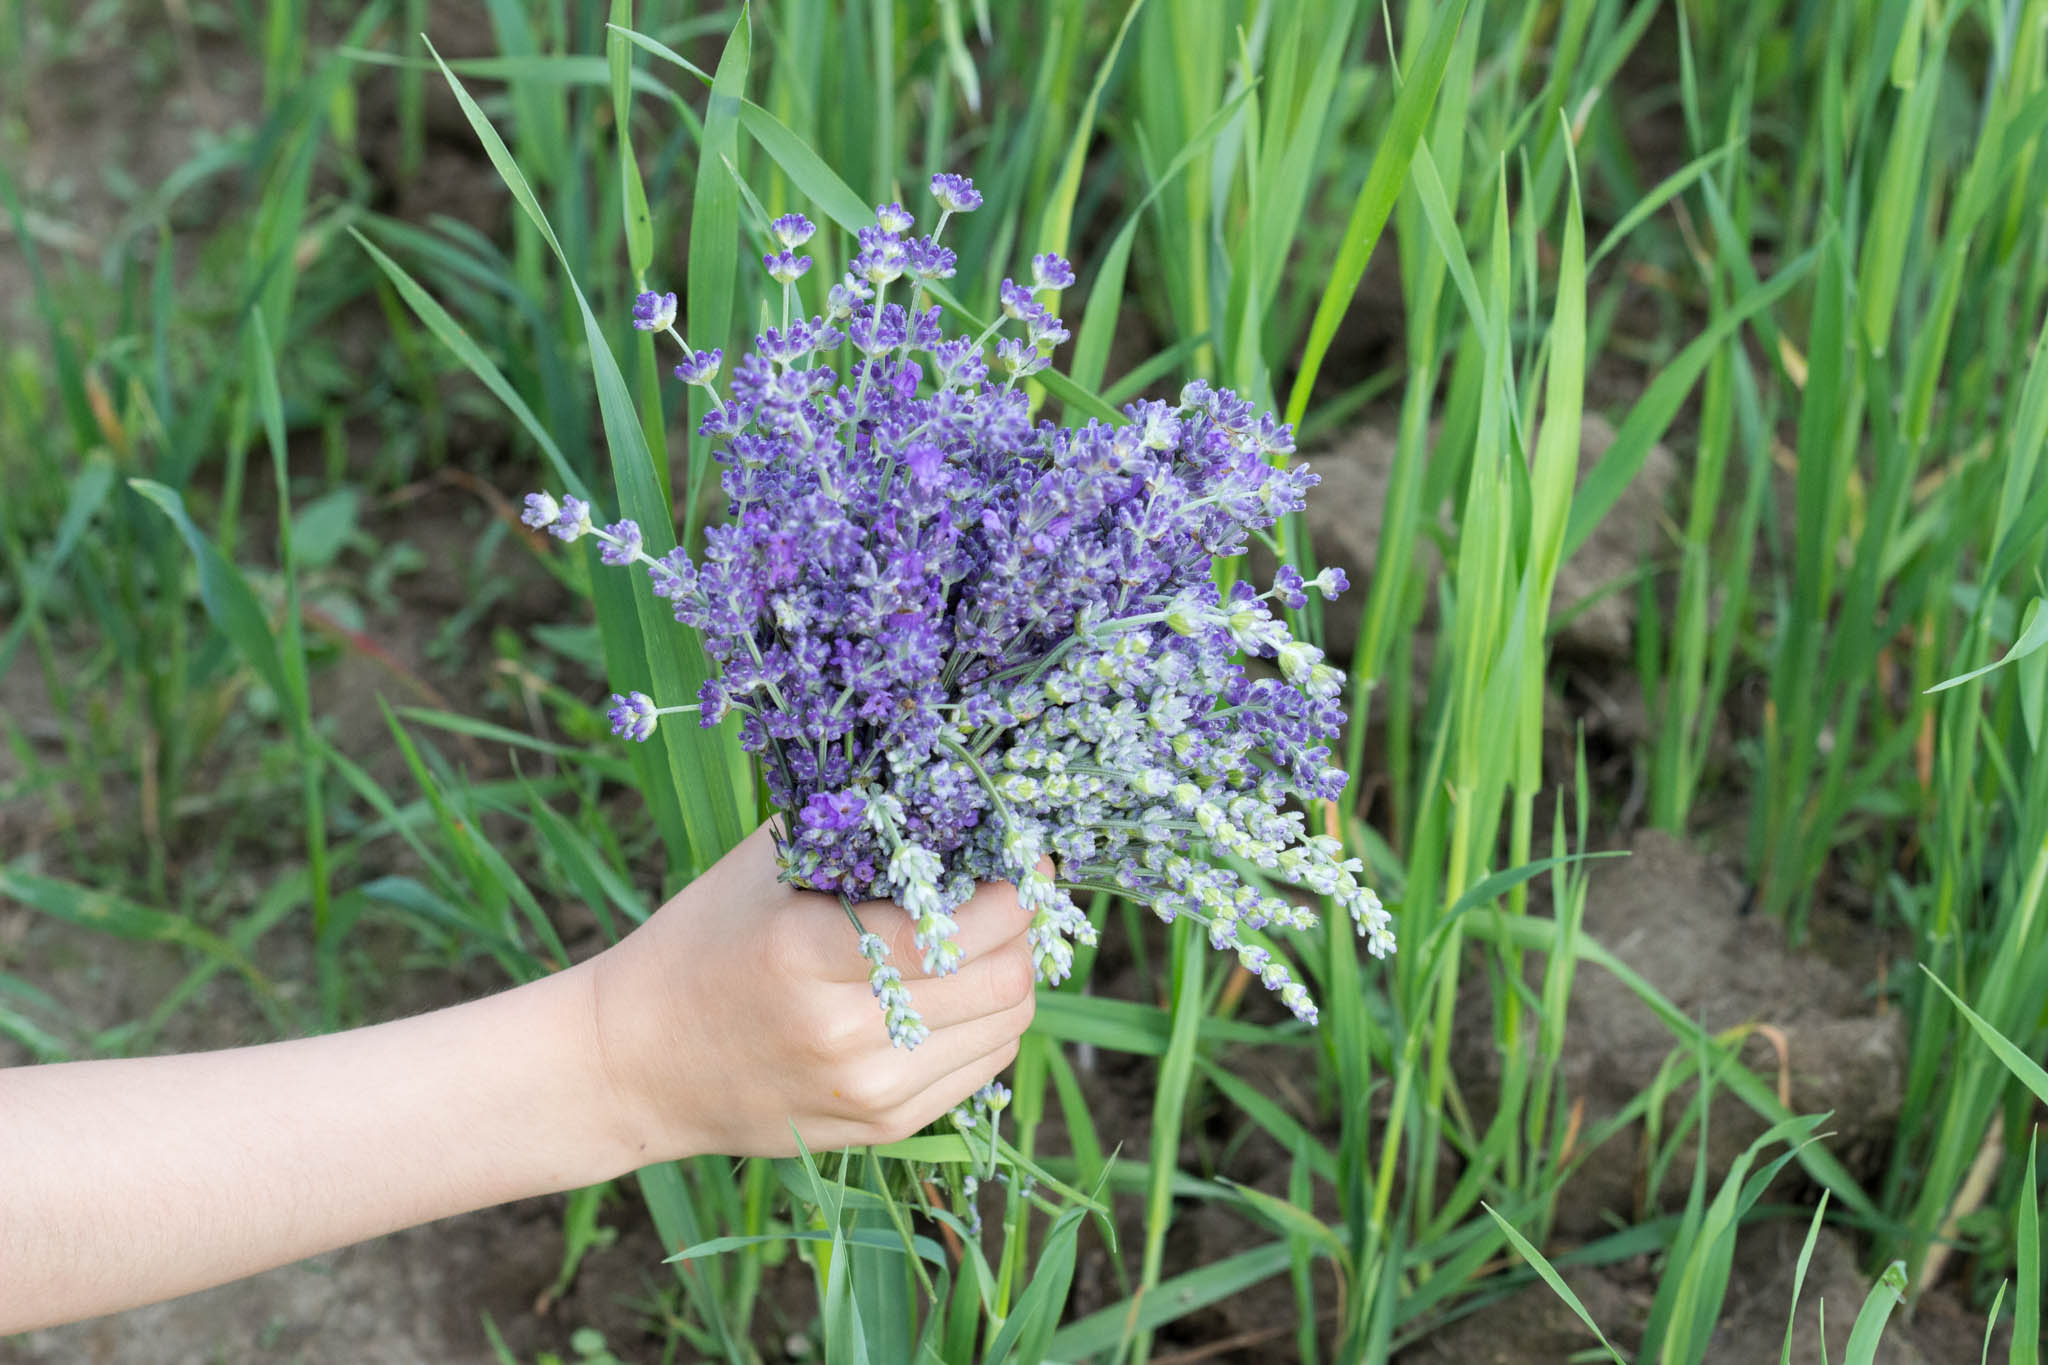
(633, 716)
(573, 521)
(621, 543)
(792, 230)
(654, 312)
(785, 266)
(955, 193)
(700, 367)
(541, 509)
(1049, 271)
(961, 640)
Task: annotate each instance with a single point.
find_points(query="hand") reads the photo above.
(742, 1006)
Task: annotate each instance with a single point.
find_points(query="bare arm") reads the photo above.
(739, 1009)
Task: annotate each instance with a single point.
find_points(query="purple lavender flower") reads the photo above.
(622, 543)
(1288, 585)
(835, 811)
(1016, 300)
(573, 521)
(654, 312)
(929, 260)
(700, 367)
(792, 230)
(541, 510)
(955, 193)
(1019, 357)
(1043, 329)
(785, 266)
(883, 262)
(845, 296)
(1049, 271)
(633, 716)
(959, 638)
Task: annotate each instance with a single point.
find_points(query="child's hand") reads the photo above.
(743, 1005)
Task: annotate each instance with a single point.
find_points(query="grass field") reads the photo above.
(1678, 378)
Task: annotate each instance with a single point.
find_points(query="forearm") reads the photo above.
(260, 1156)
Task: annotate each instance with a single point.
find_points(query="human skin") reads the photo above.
(736, 1018)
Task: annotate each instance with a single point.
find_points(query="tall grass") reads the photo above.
(1825, 288)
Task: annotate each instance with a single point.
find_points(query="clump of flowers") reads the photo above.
(960, 640)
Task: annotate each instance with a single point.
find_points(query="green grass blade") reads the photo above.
(103, 912)
(224, 592)
(1171, 1298)
(2026, 1327)
(1169, 1103)
(1888, 1293)
(89, 489)
(1057, 220)
(1390, 167)
(1799, 1275)
(2025, 1068)
(1542, 1266)
(450, 333)
(699, 774)
(1653, 412)
(714, 264)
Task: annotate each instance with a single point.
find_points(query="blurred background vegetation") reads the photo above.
(1676, 375)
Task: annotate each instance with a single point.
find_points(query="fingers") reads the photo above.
(989, 984)
(901, 1078)
(989, 919)
(941, 1095)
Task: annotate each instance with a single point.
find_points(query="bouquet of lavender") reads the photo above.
(959, 640)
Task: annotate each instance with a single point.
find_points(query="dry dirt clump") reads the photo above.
(1599, 612)
(1808, 1026)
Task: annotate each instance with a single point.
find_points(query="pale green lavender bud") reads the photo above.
(884, 812)
(1324, 682)
(1153, 782)
(1297, 658)
(1037, 893)
(1159, 431)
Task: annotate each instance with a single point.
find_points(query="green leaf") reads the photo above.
(1888, 1293)
(104, 912)
(1653, 412)
(1390, 165)
(89, 488)
(872, 1239)
(2033, 635)
(1027, 1332)
(450, 333)
(699, 777)
(714, 263)
(229, 601)
(2019, 1063)
(1169, 1299)
(1542, 1267)
(2026, 1327)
